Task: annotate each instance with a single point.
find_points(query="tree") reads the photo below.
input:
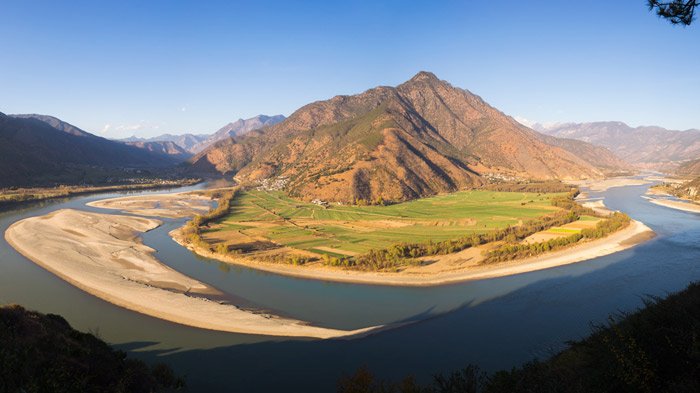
(676, 11)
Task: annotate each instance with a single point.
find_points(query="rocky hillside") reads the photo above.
(237, 128)
(689, 168)
(651, 147)
(420, 138)
(33, 152)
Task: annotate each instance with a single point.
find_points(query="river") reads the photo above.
(495, 323)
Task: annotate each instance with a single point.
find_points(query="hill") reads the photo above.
(237, 128)
(33, 152)
(396, 143)
(650, 146)
(56, 123)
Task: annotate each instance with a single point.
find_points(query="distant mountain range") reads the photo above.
(420, 138)
(648, 147)
(237, 128)
(185, 141)
(164, 148)
(190, 143)
(38, 149)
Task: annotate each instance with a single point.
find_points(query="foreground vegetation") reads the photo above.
(656, 349)
(42, 353)
(13, 196)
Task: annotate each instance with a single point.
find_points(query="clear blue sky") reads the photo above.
(147, 67)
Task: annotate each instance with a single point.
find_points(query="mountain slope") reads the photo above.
(237, 128)
(689, 168)
(419, 138)
(599, 156)
(652, 147)
(57, 124)
(33, 152)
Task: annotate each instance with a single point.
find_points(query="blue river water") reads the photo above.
(495, 323)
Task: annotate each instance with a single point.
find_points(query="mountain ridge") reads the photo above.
(419, 138)
(237, 128)
(33, 152)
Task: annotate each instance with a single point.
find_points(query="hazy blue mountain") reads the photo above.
(648, 146)
(185, 141)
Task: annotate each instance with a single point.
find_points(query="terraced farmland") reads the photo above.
(260, 220)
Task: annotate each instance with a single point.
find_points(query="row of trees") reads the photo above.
(537, 186)
(289, 259)
(511, 251)
(192, 230)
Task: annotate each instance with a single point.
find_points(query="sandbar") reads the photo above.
(103, 255)
(678, 205)
(176, 205)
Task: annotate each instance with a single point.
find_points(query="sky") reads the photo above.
(122, 68)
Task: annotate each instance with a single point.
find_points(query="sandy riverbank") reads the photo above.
(102, 255)
(678, 205)
(451, 268)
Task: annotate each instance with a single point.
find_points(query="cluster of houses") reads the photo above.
(272, 184)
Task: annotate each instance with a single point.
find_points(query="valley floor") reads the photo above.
(447, 269)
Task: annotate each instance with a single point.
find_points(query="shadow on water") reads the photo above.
(503, 331)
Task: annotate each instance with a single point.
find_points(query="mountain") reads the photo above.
(164, 148)
(33, 152)
(185, 141)
(420, 138)
(237, 128)
(56, 123)
(651, 147)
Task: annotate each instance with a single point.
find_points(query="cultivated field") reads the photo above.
(261, 220)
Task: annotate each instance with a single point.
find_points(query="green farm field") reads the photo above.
(261, 216)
